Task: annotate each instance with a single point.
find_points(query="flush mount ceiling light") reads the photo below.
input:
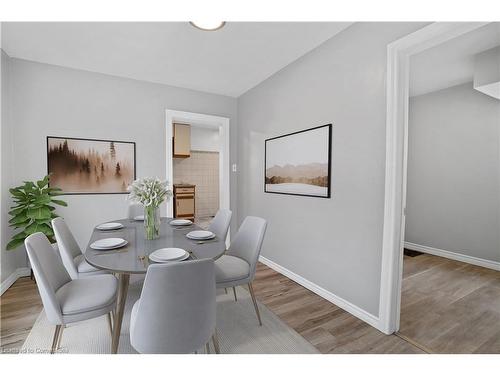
(208, 25)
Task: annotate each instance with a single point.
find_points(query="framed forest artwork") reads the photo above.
(300, 163)
(90, 166)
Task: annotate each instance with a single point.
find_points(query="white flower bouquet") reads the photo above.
(150, 192)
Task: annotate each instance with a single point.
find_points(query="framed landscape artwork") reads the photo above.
(299, 163)
(90, 166)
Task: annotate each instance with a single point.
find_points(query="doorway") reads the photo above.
(398, 65)
(205, 124)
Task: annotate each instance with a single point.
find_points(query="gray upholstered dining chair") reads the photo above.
(237, 265)
(220, 224)
(65, 300)
(135, 209)
(177, 309)
(71, 254)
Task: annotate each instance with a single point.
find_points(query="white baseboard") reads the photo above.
(20, 272)
(455, 256)
(329, 296)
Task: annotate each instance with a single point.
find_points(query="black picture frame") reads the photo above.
(90, 140)
(329, 191)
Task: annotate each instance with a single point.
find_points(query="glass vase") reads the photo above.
(152, 222)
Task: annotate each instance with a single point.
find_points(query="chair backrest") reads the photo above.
(220, 223)
(176, 311)
(248, 241)
(49, 272)
(68, 247)
(135, 209)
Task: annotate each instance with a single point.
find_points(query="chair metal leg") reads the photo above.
(207, 348)
(254, 303)
(60, 336)
(225, 290)
(55, 340)
(234, 291)
(110, 323)
(215, 340)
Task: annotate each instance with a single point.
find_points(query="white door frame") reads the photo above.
(398, 68)
(207, 121)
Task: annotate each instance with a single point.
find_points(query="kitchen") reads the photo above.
(195, 172)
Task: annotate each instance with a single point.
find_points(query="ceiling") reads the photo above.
(229, 61)
(451, 63)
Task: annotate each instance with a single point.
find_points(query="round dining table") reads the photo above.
(133, 258)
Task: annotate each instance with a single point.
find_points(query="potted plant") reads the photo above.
(33, 210)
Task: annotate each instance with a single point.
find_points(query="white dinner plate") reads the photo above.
(109, 226)
(178, 222)
(108, 243)
(200, 235)
(139, 218)
(170, 254)
(156, 260)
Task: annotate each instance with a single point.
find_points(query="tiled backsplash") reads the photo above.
(200, 169)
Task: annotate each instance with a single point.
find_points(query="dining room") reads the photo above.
(220, 197)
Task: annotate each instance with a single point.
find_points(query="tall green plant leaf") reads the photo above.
(59, 202)
(17, 193)
(42, 199)
(14, 244)
(38, 227)
(43, 182)
(32, 210)
(20, 236)
(17, 210)
(42, 212)
(55, 191)
(20, 218)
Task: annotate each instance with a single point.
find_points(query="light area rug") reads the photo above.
(237, 327)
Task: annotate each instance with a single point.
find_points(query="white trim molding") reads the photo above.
(398, 67)
(7, 283)
(454, 256)
(329, 296)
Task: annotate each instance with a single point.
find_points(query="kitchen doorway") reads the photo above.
(202, 141)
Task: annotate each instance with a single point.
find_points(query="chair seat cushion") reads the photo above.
(230, 268)
(82, 266)
(87, 294)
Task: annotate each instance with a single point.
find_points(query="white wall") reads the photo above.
(453, 199)
(204, 139)
(12, 259)
(51, 100)
(335, 243)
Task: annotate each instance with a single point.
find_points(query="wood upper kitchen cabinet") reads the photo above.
(182, 141)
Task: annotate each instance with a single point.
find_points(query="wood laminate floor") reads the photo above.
(20, 305)
(325, 325)
(447, 307)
